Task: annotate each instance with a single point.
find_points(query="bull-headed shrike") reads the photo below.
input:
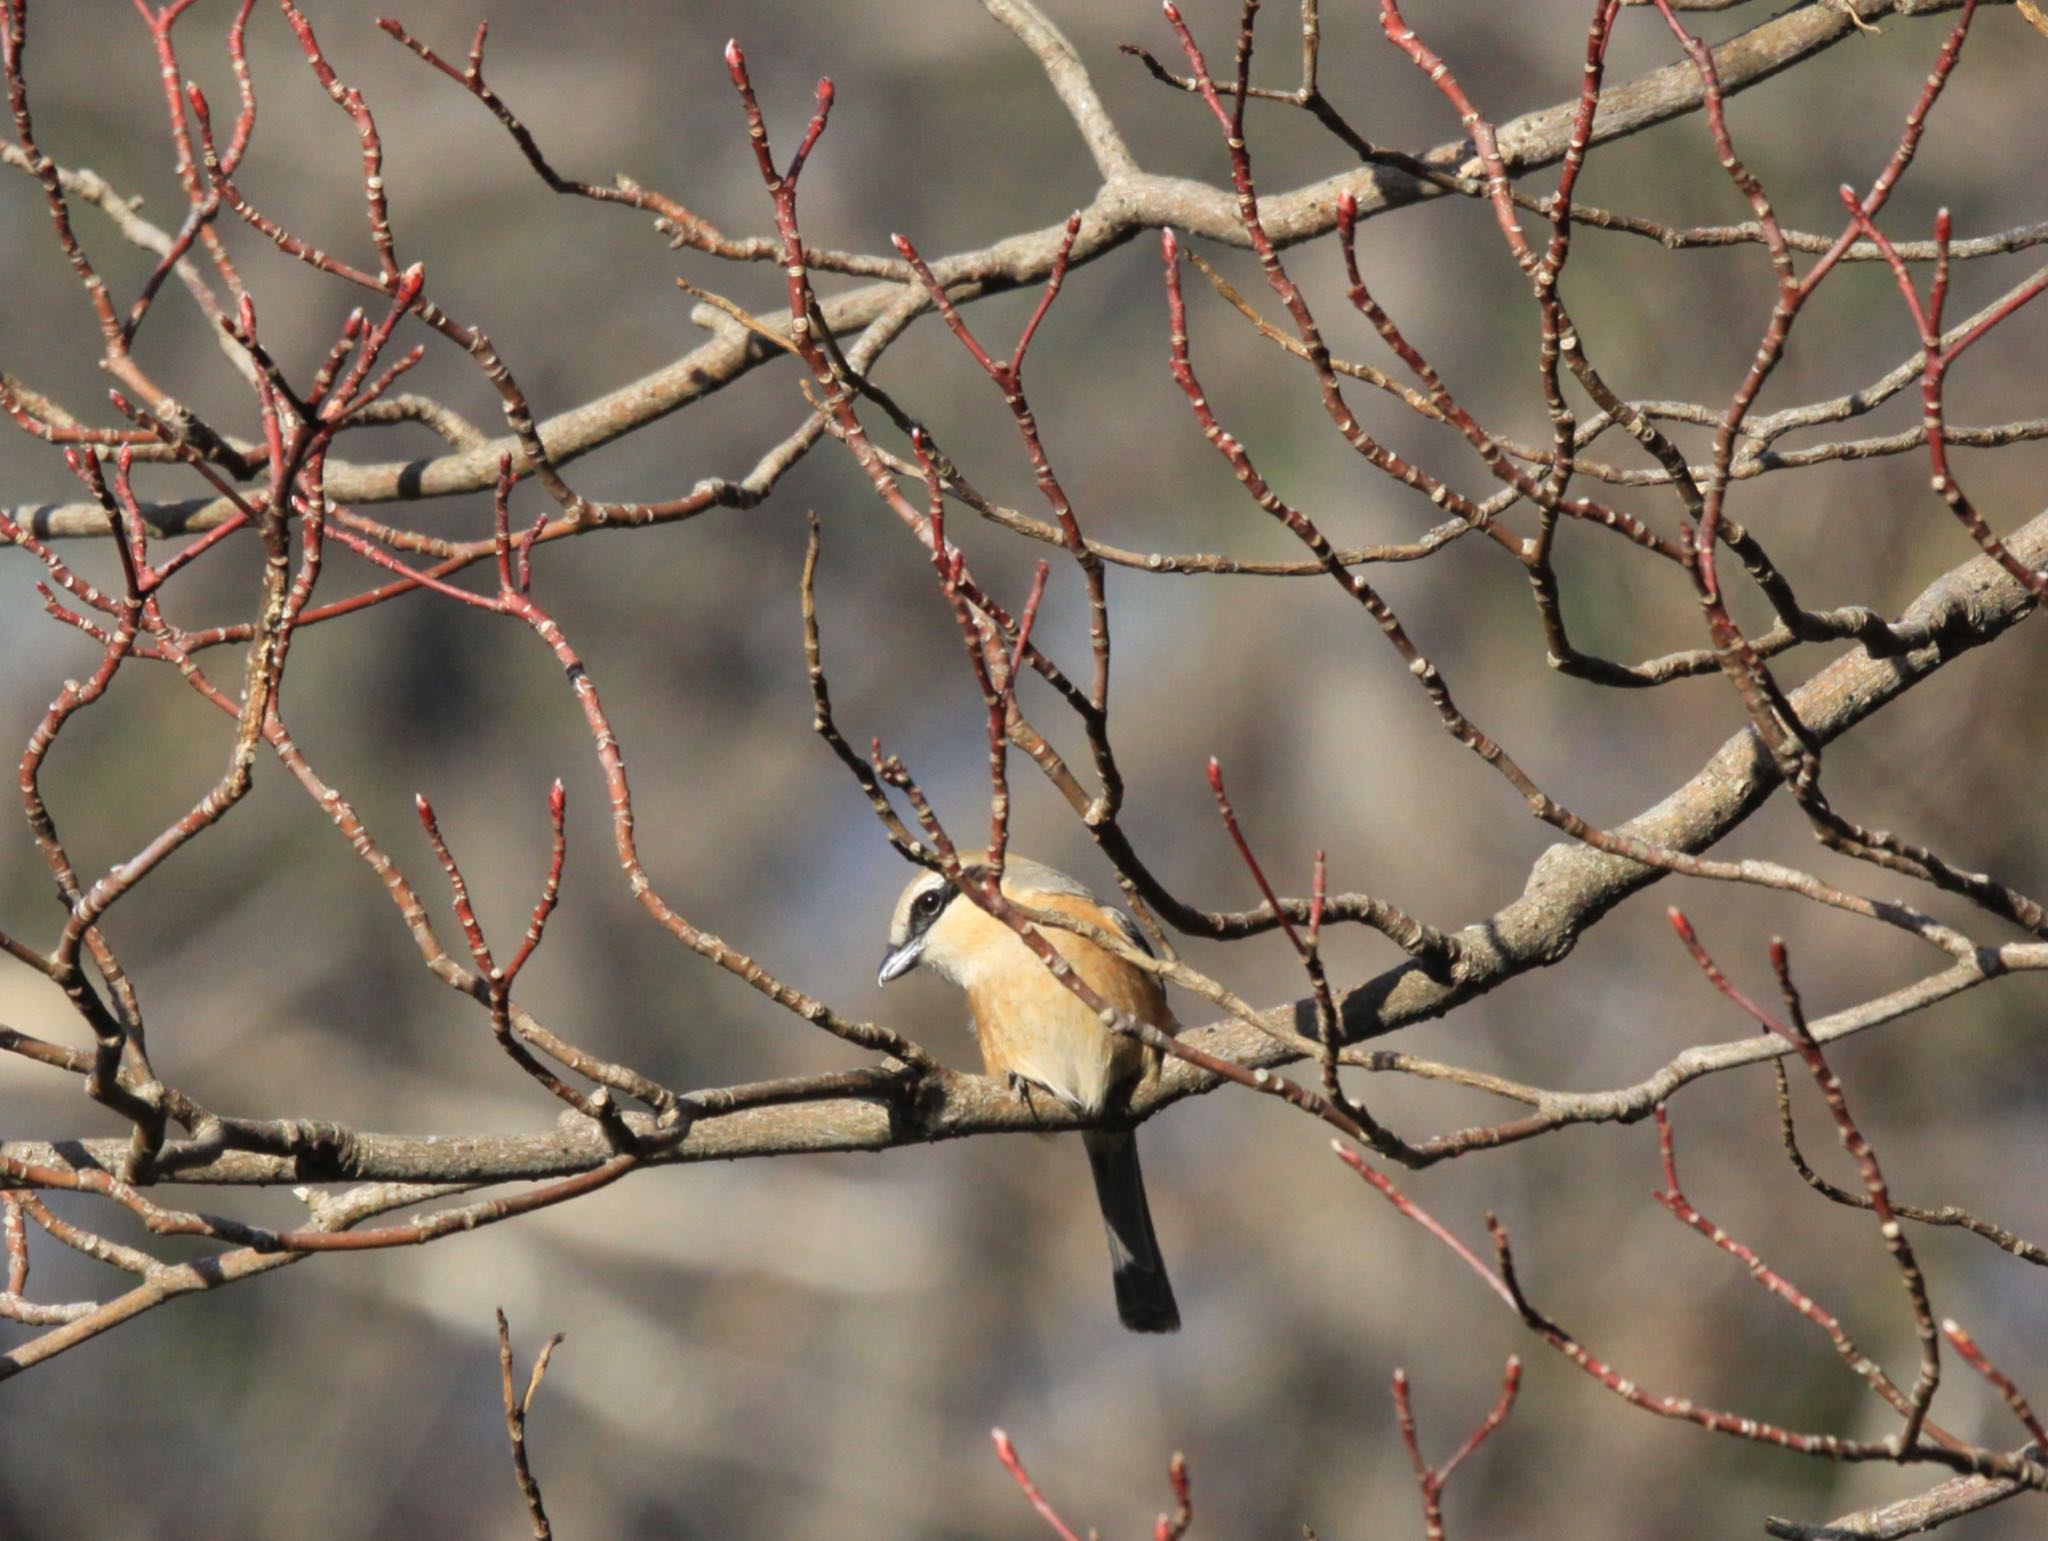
(1033, 1029)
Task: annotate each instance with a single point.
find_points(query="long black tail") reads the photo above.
(1144, 1298)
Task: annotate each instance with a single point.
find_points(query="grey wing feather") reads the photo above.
(1132, 934)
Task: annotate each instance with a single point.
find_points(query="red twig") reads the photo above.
(1329, 1027)
(1793, 1030)
(1502, 1280)
(1289, 293)
(203, 201)
(1431, 1480)
(496, 984)
(514, 598)
(1229, 817)
(1937, 357)
(1008, 377)
(1171, 1527)
(1007, 1454)
(1976, 1358)
(1673, 1198)
(994, 674)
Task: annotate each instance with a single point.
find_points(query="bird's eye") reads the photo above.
(929, 901)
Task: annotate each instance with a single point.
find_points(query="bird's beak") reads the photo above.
(898, 961)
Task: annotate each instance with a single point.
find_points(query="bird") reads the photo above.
(1034, 1030)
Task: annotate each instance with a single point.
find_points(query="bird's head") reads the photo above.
(935, 926)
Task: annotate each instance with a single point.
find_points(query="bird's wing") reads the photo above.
(1129, 928)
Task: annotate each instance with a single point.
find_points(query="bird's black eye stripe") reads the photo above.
(926, 908)
(929, 905)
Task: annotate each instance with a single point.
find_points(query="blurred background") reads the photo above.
(818, 1346)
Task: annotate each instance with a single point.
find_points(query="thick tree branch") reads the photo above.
(1914, 1516)
(1569, 889)
(1127, 205)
